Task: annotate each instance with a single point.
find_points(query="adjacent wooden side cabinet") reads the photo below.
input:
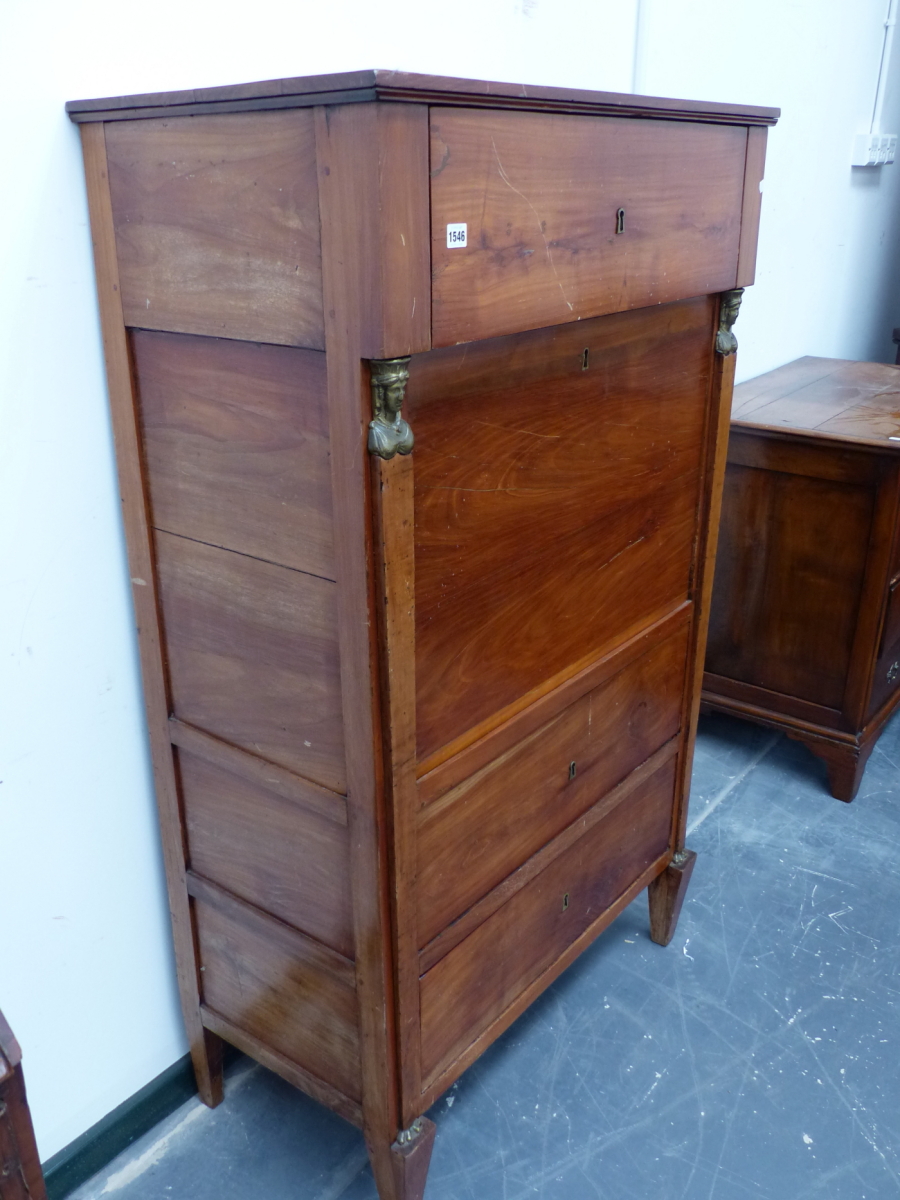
(805, 625)
(420, 391)
(20, 1168)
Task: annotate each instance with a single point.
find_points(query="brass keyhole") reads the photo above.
(584, 359)
(565, 901)
(573, 767)
(620, 220)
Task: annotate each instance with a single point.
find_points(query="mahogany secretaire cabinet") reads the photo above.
(805, 624)
(420, 391)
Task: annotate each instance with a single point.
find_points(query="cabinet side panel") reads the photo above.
(268, 850)
(279, 987)
(253, 655)
(236, 446)
(204, 1052)
(541, 196)
(789, 575)
(556, 486)
(217, 225)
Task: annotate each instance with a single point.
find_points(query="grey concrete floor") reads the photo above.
(756, 1056)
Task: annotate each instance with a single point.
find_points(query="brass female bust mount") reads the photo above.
(389, 434)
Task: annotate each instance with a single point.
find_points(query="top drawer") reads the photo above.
(540, 195)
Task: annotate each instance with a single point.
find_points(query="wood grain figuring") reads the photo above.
(540, 194)
(538, 707)
(268, 851)
(282, 988)
(253, 657)
(472, 986)
(205, 1048)
(217, 226)
(791, 549)
(570, 496)
(479, 832)
(235, 439)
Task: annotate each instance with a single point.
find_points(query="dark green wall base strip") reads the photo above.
(100, 1144)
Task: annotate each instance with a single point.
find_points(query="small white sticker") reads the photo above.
(456, 235)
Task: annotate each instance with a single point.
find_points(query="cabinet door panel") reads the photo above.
(478, 980)
(557, 481)
(789, 577)
(475, 835)
(540, 195)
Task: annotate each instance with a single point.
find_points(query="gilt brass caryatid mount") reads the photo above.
(389, 434)
(726, 342)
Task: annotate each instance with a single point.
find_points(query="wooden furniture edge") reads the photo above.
(710, 509)
(468, 922)
(780, 702)
(871, 611)
(360, 161)
(805, 729)
(789, 433)
(268, 775)
(205, 1052)
(319, 1089)
(774, 719)
(751, 208)
(409, 87)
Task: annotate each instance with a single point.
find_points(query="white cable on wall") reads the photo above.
(890, 22)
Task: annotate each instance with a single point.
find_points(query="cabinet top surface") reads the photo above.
(399, 86)
(824, 397)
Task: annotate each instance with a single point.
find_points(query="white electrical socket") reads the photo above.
(873, 149)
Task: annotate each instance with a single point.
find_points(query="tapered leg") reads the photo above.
(845, 764)
(206, 1057)
(666, 895)
(401, 1168)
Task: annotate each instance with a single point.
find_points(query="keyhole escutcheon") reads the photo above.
(565, 901)
(573, 768)
(620, 220)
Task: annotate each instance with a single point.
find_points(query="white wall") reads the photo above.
(86, 973)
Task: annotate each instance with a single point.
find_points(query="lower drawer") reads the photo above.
(473, 836)
(472, 986)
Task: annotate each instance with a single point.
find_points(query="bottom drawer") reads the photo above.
(470, 988)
